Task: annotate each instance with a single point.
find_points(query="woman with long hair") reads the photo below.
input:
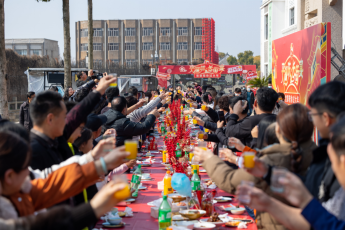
(68, 93)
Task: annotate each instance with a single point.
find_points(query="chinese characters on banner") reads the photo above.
(301, 62)
(216, 75)
(234, 70)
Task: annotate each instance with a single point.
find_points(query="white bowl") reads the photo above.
(204, 226)
(186, 224)
(235, 211)
(114, 220)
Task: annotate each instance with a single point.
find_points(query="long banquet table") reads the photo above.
(142, 212)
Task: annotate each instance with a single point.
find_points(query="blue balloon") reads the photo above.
(181, 183)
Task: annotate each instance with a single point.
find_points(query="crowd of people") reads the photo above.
(56, 161)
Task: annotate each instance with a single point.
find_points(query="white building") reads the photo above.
(278, 19)
(34, 46)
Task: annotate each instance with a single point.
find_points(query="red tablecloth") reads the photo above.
(142, 212)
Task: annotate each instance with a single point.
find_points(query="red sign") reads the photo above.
(301, 62)
(205, 70)
(163, 79)
(251, 75)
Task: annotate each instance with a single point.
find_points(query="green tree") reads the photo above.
(259, 82)
(246, 58)
(232, 60)
(221, 55)
(67, 43)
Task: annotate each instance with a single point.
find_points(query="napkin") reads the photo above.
(109, 215)
(128, 211)
(242, 225)
(225, 218)
(212, 186)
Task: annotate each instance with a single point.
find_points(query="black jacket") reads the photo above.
(126, 129)
(24, 116)
(242, 129)
(47, 152)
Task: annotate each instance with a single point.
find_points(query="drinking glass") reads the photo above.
(248, 159)
(244, 192)
(125, 192)
(110, 142)
(195, 122)
(231, 144)
(131, 146)
(277, 172)
(202, 145)
(200, 135)
(221, 154)
(203, 107)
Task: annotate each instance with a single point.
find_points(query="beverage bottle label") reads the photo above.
(195, 185)
(178, 153)
(164, 216)
(135, 179)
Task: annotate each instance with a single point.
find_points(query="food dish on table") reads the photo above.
(232, 223)
(192, 214)
(109, 225)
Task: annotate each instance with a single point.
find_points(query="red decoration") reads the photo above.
(152, 145)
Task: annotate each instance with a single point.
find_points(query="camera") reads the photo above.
(96, 76)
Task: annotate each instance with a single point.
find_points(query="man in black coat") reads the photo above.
(24, 113)
(126, 129)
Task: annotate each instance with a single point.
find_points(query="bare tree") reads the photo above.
(3, 76)
(67, 44)
(90, 29)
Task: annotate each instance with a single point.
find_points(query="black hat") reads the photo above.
(95, 121)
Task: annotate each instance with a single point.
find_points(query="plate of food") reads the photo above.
(214, 219)
(130, 200)
(204, 226)
(222, 199)
(235, 210)
(121, 214)
(192, 214)
(109, 225)
(232, 223)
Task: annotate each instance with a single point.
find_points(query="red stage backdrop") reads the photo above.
(301, 62)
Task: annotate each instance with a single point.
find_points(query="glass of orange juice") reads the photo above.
(131, 147)
(115, 83)
(125, 192)
(248, 159)
(202, 145)
(178, 91)
(206, 130)
(200, 135)
(195, 122)
(203, 107)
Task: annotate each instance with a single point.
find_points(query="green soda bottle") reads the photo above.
(164, 214)
(136, 180)
(195, 182)
(178, 151)
(163, 128)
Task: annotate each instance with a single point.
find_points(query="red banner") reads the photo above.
(301, 62)
(251, 75)
(163, 79)
(205, 70)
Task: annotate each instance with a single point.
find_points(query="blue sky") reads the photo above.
(237, 22)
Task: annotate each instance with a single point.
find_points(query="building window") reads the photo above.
(130, 31)
(114, 62)
(36, 52)
(147, 46)
(198, 45)
(148, 31)
(83, 47)
(97, 46)
(131, 62)
(266, 70)
(97, 32)
(130, 46)
(292, 16)
(182, 46)
(180, 61)
(198, 30)
(266, 27)
(113, 46)
(22, 52)
(83, 33)
(113, 32)
(148, 61)
(165, 31)
(165, 46)
(182, 31)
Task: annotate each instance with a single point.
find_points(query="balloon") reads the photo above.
(181, 183)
